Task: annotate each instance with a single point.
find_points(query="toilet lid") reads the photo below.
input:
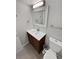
(50, 55)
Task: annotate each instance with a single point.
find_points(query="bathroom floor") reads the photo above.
(29, 53)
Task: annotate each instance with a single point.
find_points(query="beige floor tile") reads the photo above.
(29, 53)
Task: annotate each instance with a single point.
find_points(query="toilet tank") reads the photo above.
(55, 45)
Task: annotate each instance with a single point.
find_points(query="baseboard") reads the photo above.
(25, 44)
(19, 50)
(21, 47)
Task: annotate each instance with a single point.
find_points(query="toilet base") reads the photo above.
(50, 55)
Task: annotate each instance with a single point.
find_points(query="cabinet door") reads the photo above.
(38, 45)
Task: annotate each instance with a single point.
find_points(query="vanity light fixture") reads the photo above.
(38, 4)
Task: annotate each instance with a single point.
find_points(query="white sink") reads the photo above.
(37, 34)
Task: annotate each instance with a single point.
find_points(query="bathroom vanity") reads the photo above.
(36, 39)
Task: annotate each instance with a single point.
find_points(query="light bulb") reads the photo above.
(38, 4)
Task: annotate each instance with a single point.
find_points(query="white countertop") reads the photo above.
(37, 34)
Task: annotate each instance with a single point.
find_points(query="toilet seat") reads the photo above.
(50, 55)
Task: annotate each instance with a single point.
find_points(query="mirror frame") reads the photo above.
(46, 17)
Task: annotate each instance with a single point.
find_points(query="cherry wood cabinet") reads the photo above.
(37, 44)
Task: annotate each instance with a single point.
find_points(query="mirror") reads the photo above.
(39, 16)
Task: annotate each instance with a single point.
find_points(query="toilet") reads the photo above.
(55, 46)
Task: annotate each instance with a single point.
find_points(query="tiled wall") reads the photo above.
(23, 20)
(55, 19)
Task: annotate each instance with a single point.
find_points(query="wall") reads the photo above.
(23, 20)
(55, 19)
(19, 46)
(29, 2)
